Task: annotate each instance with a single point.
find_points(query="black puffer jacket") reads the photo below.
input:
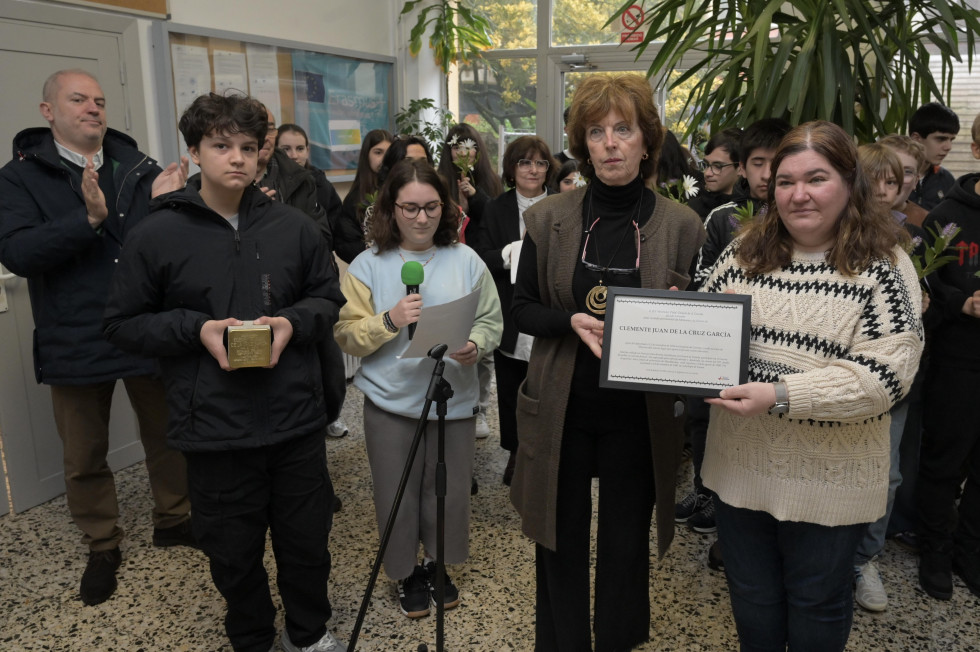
(45, 236)
(720, 225)
(956, 339)
(185, 265)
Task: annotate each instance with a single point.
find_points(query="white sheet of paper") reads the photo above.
(192, 73)
(448, 323)
(263, 76)
(230, 72)
(515, 257)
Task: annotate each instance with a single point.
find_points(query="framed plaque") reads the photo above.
(678, 342)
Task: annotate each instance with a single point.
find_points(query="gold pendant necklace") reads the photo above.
(595, 300)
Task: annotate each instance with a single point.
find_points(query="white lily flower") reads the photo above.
(690, 186)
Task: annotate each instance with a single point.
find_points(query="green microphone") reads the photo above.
(412, 276)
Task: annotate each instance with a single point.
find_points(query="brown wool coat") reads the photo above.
(669, 241)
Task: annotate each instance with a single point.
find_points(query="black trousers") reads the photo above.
(236, 496)
(950, 452)
(614, 445)
(510, 374)
(698, 413)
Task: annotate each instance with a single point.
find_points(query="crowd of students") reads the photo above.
(228, 248)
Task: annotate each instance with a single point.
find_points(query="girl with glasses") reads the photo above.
(415, 220)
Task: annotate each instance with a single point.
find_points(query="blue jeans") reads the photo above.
(874, 539)
(790, 583)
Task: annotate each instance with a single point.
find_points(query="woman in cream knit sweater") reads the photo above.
(799, 456)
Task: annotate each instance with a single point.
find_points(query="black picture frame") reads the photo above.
(675, 341)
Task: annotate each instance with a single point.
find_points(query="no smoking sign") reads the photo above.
(632, 19)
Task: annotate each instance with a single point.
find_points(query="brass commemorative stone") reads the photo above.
(249, 345)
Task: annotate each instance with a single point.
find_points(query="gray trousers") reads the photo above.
(389, 437)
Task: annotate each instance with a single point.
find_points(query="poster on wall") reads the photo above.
(230, 72)
(192, 73)
(336, 98)
(338, 101)
(263, 77)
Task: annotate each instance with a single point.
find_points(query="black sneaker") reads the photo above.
(451, 593)
(704, 520)
(413, 594)
(936, 573)
(691, 505)
(178, 535)
(99, 578)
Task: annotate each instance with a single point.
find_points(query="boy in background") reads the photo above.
(253, 437)
(721, 171)
(949, 536)
(912, 154)
(934, 126)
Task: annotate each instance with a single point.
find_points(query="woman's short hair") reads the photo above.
(865, 231)
(879, 161)
(521, 148)
(384, 229)
(632, 97)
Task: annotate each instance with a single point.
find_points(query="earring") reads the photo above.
(645, 156)
(589, 161)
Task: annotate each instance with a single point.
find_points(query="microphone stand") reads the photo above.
(440, 391)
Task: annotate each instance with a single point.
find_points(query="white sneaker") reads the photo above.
(338, 428)
(326, 644)
(869, 592)
(482, 427)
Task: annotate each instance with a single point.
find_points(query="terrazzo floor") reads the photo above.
(166, 600)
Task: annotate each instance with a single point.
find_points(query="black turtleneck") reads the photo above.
(612, 243)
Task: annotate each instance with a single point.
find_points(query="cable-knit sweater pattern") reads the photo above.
(847, 349)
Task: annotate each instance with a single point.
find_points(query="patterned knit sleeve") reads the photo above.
(717, 277)
(876, 368)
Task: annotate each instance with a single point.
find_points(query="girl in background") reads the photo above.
(470, 191)
(349, 235)
(568, 177)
